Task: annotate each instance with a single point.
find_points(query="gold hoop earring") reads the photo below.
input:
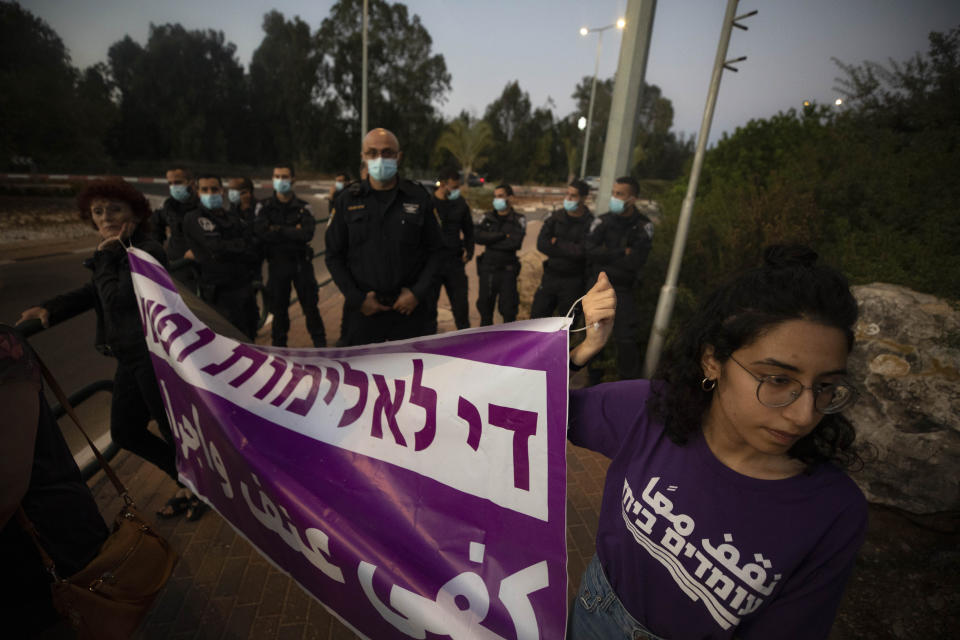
(708, 385)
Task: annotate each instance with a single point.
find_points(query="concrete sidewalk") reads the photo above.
(223, 589)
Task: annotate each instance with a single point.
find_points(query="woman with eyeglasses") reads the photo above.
(121, 217)
(726, 512)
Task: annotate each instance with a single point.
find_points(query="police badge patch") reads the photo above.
(410, 207)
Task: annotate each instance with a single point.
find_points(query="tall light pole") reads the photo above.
(668, 293)
(363, 91)
(584, 31)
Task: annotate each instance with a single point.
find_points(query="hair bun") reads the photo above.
(779, 256)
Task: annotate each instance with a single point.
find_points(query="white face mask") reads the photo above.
(233, 195)
(382, 169)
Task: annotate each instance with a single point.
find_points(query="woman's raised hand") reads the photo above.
(599, 309)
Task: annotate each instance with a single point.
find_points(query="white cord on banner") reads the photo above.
(570, 313)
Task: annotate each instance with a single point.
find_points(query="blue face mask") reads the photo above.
(338, 185)
(233, 195)
(453, 195)
(211, 200)
(180, 192)
(382, 169)
(570, 205)
(616, 205)
(499, 204)
(281, 186)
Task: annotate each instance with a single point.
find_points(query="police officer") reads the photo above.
(340, 181)
(563, 239)
(618, 244)
(383, 248)
(222, 244)
(501, 231)
(285, 225)
(243, 203)
(169, 220)
(242, 200)
(456, 228)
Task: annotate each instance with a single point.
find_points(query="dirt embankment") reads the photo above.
(39, 218)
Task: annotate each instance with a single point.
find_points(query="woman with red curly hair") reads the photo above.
(120, 214)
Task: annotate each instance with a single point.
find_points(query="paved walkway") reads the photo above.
(222, 588)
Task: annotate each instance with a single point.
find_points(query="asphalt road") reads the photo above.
(66, 348)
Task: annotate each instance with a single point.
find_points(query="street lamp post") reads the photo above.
(620, 24)
(363, 90)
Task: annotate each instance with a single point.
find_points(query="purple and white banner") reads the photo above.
(416, 488)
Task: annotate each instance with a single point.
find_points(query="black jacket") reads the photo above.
(503, 236)
(275, 225)
(610, 236)
(110, 293)
(247, 215)
(222, 245)
(169, 218)
(383, 241)
(567, 256)
(455, 217)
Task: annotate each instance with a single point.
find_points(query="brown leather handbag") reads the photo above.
(107, 599)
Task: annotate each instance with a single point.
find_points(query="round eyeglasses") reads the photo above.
(780, 390)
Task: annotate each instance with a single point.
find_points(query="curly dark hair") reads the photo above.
(114, 188)
(788, 286)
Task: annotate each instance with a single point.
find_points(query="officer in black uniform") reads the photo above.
(169, 220)
(563, 239)
(243, 202)
(285, 225)
(501, 231)
(618, 244)
(340, 182)
(222, 244)
(335, 191)
(456, 229)
(383, 249)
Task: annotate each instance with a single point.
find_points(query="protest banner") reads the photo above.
(415, 488)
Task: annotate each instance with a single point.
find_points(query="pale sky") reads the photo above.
(487, 43)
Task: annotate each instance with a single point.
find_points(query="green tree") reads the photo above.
(868, 186)
(406, 80)
(467, 142)
(658, 152)
(43, 117)
(285, 90)
(508, 116)
(181, 97)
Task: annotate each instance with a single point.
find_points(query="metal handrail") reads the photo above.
(77, 397)
(81, 395)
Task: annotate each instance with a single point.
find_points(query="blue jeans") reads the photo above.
(598, 614)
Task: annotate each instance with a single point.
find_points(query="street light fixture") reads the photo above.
(619, 24)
